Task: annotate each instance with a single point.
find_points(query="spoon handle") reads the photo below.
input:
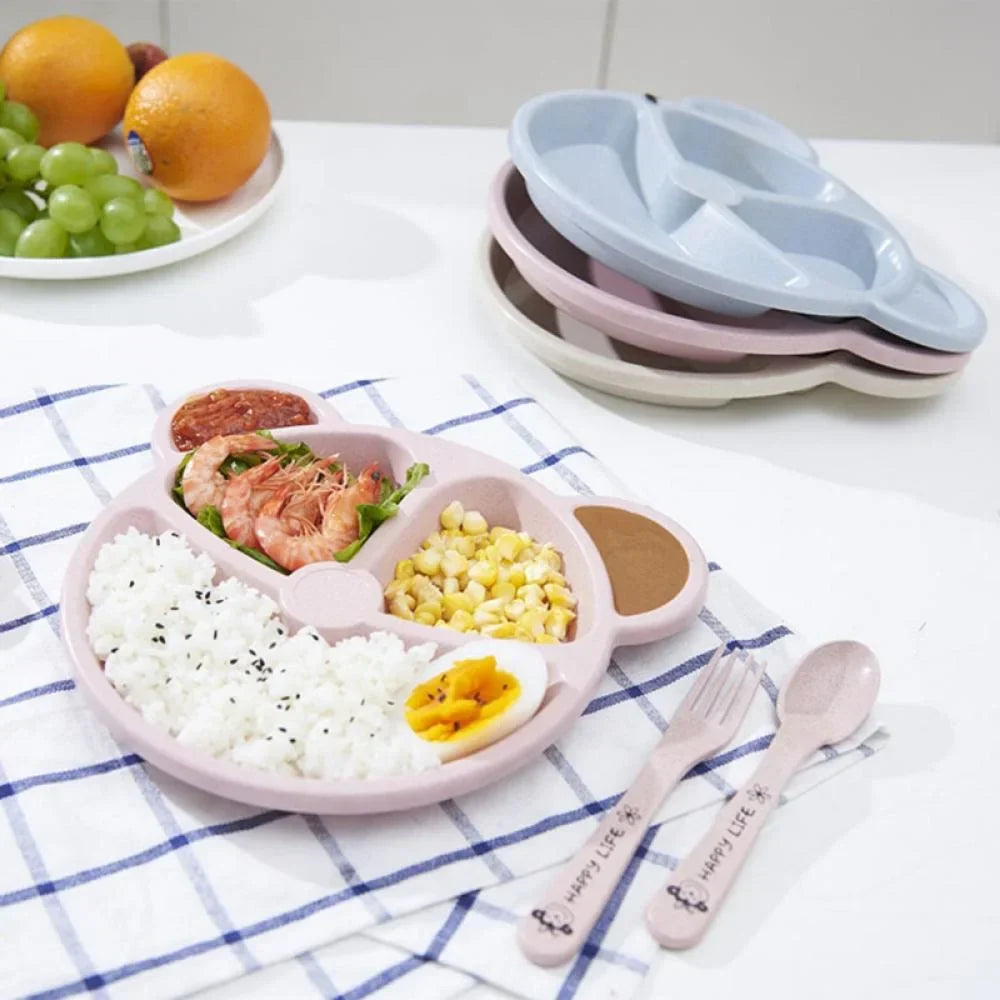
(555, 930)
(679, 915)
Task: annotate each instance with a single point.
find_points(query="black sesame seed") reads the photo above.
(291, 739)
(273, 644)
(114, 649)
(157, 541)
(351, 719)
(297, 697)
(188, 636)
(281, 729)
(326, 730)
(215, 634)
(232, 661)
(158, 624)
(315, 636)
(269, 737)
(198, 667)
(131, 583)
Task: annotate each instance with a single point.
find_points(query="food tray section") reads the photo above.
(711, 205)
(634, 576)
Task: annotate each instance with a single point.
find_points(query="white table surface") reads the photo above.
(882, 882)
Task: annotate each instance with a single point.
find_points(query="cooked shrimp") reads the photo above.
(202, 482)
(242, 498)
(289, 544)
(340, 518)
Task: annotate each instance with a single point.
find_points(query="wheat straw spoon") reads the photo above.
(825, 700)
(705, 722)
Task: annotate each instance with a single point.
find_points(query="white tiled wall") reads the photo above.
(918, 69)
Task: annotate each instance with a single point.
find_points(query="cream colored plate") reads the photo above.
(586, 355)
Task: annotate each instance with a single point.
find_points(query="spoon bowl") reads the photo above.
(832, 690)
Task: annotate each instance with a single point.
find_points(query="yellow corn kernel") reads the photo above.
(509, 545)
(454, 563)
(516, 576)
(526, 555)
(536, 571)
(494, 606)
(548, 555)
(432, 608)
(505, 630)
(504, 590)
(423, 590)
(404, 569)
(533, 620)
(474, 523)
(482, 618)
(523, 635)
(525, 537)
(557, 622)
(451, 585)
(453, 603)
(395, 587)
(476, 592)
(438, 579)
(483, 572)
(451, 516)
(466, 546)
(546, 638)
(555, 577)
(559, 596)
(514, 610)
(441, 623)
(401, 607)
(461, 620)
(427, 561)
(497, 531)
(534, 589)
(435, 540)
(425, 619)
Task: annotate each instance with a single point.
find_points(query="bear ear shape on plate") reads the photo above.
(477, 694)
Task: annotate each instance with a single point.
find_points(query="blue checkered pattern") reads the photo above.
(119, 881)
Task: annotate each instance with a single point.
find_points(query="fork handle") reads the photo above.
(556, 928)
(680, 913)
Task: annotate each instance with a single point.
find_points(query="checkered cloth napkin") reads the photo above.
(118, 880)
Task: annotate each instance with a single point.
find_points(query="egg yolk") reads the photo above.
(461, 699)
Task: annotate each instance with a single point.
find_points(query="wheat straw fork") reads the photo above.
(707, 719)
(827, 697)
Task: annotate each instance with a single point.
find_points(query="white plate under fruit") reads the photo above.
(202, 226)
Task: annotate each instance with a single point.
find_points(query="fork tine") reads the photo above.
(702, 679)
(744, 691)
(716, 684)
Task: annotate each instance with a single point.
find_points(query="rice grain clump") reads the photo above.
(212, 664)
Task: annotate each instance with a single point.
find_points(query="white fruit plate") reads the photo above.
(202, 226)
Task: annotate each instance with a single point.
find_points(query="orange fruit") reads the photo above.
(73, 73)
(198, 126)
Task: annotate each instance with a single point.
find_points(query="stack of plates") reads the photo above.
(694, 252)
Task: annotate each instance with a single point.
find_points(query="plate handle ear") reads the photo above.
(657, 572)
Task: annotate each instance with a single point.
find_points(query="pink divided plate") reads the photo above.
(620, 307)
(340, 600)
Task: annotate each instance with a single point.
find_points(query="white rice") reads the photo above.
(212, 664)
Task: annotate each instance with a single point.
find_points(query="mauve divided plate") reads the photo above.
(589, 356)
(723, 208)
(594, 294)
(341, 600)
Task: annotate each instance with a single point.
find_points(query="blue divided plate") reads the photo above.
(723, 208)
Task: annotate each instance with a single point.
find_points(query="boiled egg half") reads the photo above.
(475, 695)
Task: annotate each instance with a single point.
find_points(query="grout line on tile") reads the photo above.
(607, 42)
(164, 12)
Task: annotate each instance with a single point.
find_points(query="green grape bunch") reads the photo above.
(69, 200)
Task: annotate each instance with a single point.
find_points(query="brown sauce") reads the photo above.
(236, 411)
(646, 564)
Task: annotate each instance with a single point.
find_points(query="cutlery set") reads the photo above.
(827, 698)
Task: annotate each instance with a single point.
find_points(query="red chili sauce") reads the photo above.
(236, 411)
